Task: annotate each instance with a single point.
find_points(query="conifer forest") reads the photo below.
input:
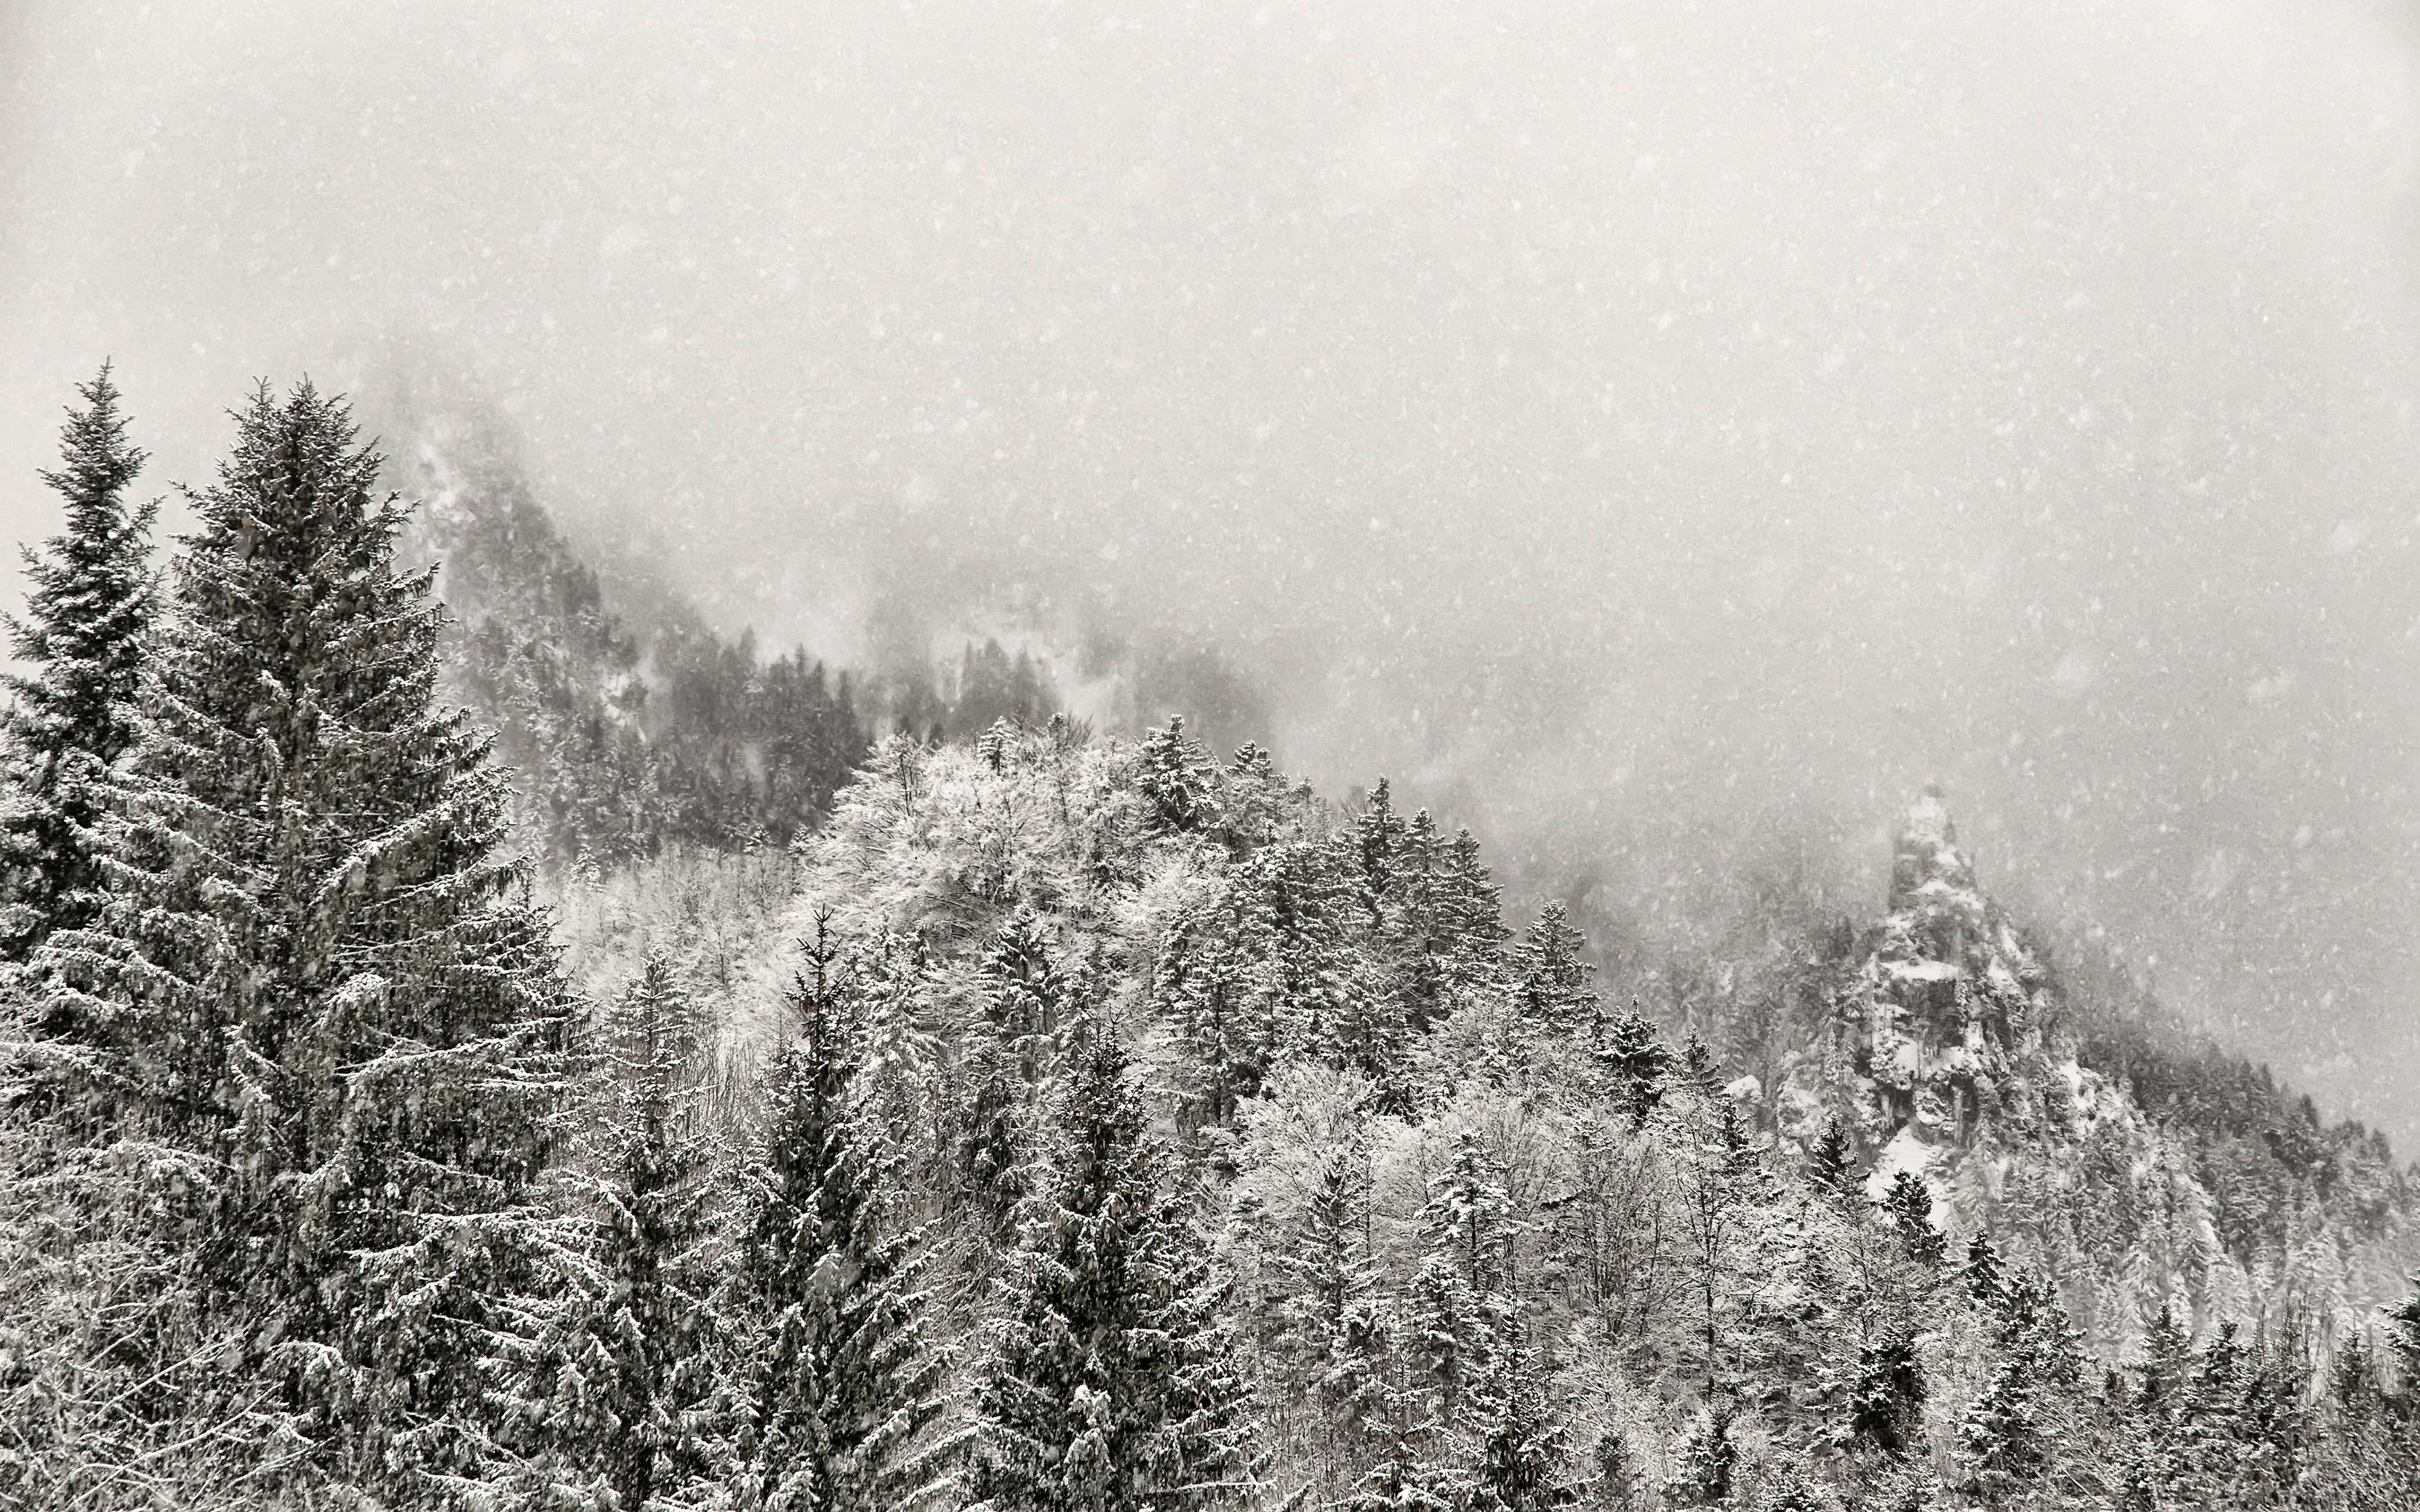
(1210, 756)
(431, 1083)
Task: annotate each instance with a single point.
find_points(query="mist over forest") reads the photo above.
(1401, 578)
(1635, 428)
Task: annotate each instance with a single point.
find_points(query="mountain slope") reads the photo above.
(2145, 1177)
(1937, 1248)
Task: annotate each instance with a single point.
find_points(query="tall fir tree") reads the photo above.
(1832, 1163)
(629, 1381)
(1908, 1204)
(1114, 1386)
(316, 970)
(1633, 1062)
(1176, 776)
(1519, 1447)
(1554, 997)
(839, 1380)
(89, 607)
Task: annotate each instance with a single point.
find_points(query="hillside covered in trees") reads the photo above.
(1065, 1123)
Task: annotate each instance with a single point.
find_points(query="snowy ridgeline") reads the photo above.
(1066, 1124)
(1453, 1188)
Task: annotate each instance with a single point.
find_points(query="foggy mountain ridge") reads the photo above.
(1137, 754)
(1620, 423)
(1941, 928)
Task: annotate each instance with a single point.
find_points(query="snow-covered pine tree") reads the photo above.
(1025, 995)
(1114, 1387)
(1220, 1003)
(1175, 774)
(1887, 1407)
(1908, 1204)
(2012, 1433)
(1618, 1479)
(1460, 1313)
(628, 1377)
(1471, 911)
(1518, 1445)
(1326, 1324)
(1554, 996)
(897, 1056)
(1831, 1165)
(839, 1380)
(1633, 1061)
(994, 1123)
(88, 604)
(315, 970)
(1401, 1480)
(1377, 838)
(1708, 1462)
(1986, 1272)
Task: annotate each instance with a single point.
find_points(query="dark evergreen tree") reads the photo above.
(1633, 1060)
(1027, 995)
(2011, 1434)
(1831, 1165)
(1114, 1388)
(1404, 1481)
(1620, 1480)
(1378, 836)
(1908, 1204)
(2168, 1362)
(1708, 1462)
(1697, 1070)
(1551, 978)
(88, 605)
(1987, 1278)
(1471, 910)
(1327, 1275)
(840, 1383)
(1887, 1408)
(1519, 1447)
(1219, 998)
(630, 1379)
(316, 970)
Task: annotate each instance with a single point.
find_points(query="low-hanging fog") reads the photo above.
(1655, 433)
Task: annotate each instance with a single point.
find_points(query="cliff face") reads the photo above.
(1944, 1014)
(1951, 1050)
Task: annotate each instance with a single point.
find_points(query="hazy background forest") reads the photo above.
(1655, 436)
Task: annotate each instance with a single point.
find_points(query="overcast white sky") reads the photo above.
(1630, 422)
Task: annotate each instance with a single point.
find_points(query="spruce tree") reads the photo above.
(1886, 1409)
(1402, 1481)
(1705, 1469)
(1327, 1325)
(2011, 1433)
(1634, 1062)
(1831, 1165)
(1114, 1388)
(630, 1377)
(1908, 1204)
(840, 1383)
(1519, 1446)
(1378, 842)
(1986, 1274)
(87, 609)
(1618, 1478)
(1175, 775)
(1554, 996)
(315, 971)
